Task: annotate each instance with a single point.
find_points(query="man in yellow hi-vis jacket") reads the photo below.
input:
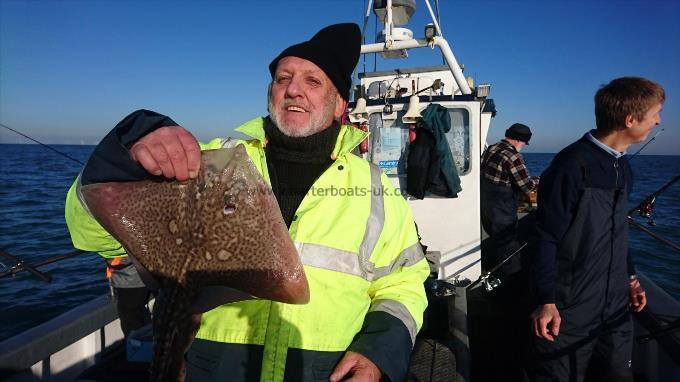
(354, 232)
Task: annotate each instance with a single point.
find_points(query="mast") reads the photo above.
(393, 44)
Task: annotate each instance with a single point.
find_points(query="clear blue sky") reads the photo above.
(70, 70)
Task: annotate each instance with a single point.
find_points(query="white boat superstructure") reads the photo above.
(455, 240)
(450, 227)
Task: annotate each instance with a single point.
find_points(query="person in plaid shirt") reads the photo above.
(504, 177)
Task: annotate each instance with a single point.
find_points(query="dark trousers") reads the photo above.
(132, 310)
(600, 353)
(498, 322)
(499, 219)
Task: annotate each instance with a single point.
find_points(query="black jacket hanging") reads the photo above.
(430, 166)
(420, 153)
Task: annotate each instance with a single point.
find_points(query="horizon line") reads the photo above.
(90, 144)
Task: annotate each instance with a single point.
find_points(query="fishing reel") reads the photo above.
(490, 282)
(646, 210)
(439, 288)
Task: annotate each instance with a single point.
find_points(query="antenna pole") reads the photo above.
(434, 19)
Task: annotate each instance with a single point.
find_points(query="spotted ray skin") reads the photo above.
(223, 228)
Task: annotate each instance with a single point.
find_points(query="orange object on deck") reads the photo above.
(114, 262)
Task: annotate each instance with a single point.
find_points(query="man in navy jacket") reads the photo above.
(583, 277)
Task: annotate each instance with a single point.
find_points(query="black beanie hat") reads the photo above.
(335, 49)
(519, 132)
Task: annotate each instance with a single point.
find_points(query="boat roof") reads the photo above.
(391, 72)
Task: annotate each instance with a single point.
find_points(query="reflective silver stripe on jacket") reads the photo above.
(398, 310)
(350, 263)
(406, 258)
(332, 259)
(376, 220)
(321, 256)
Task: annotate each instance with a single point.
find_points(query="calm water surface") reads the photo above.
(34, 182)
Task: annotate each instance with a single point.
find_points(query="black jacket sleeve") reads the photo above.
(111, 160)
(386, 342)
(558, 196)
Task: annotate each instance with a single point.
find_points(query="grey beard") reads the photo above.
(314, 126)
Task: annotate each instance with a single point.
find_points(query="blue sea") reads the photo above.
(34, 181)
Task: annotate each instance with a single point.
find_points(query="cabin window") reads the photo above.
(388, 142)
(459, 139)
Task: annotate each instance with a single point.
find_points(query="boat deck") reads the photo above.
(114, 367)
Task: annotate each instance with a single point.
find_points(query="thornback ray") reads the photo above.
(223, 228)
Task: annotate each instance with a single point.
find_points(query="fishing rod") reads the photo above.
(645, 145)
(670, 328)
(646, 210)
(48, 146)
(490, 283)
(646, 207)
(654, 235)
(21, 265)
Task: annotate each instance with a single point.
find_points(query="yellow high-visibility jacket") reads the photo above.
(357, 240)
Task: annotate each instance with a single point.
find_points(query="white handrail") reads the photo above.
(421, 43)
